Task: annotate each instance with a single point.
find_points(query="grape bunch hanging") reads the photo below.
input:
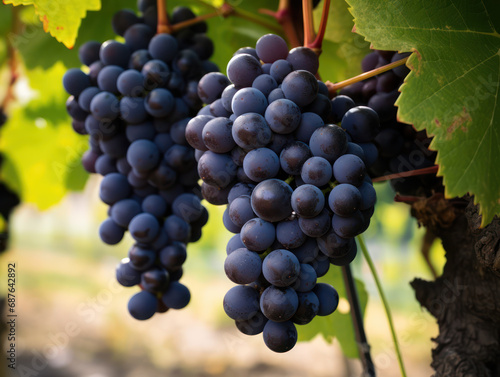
(400, 147)
(134, 100)
(295, 184)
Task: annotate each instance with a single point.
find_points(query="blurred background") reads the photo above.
(72, 315)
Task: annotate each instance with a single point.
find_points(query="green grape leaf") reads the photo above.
(453, 88)
(61, 18)
(343, 50)
(339, 324)
(38, 49)
(42, 151)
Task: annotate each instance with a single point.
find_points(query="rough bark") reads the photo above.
(466, 299)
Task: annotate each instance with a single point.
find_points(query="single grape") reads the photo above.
(316, 171)
(248, 100)
(126, 275)
(303, 58)
(300, 87)
(241, 303)
(283, 116)
(281, 268)
(332, 245)
(308, 308)
(257, 234)
(362, 123)
(271, 200)
(280, 336)
(289, 234)
(163, 47)
(216, 135)
(271, 47)
(240, 210)
(242, 69)
(177, 229)
(123, 211)
(114, 187)
(252, 326)
(177, 296)
(309, 123)
(144, 227)
(251, 131)
(216, 169)
(173, 256)
(265, 83)
(110, 232)
(329, 142)
(114, 53)
(348, 227)
(242, 266)
(293, 156)
(142, 305)
(316, 226)
(211, 86)
(279, 304)
(88, 52)
(344, 199)
(349, 169)
(75, 81)
(155, 280)
(328, 298)
(141, 258)
(261, 164)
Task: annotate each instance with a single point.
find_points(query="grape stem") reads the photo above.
(163, 23)
(333, 88)
(224, 11)
(318, 41)
(412, 173)
(307, 13)
(407, 198)
(12, 61)
(387, 309)
(239, 12)
(357, 321)
(284, 17)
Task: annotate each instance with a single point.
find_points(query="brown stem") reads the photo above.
(284, 17)
(268, 12)
(307, 12)
(239, 12)
(12, 61)
(411, 173)
(318, 41)
(163, 23)
(407, 198)
(192, 21)
(333, 88)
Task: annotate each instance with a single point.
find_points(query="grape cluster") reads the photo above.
(294, 182)
(400, 147)
(134, 101)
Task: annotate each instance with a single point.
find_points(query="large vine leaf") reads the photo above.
(42, 152)
(339, 324)
(61, 18)
(342, 49)
(453, 88)
(39, 49)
